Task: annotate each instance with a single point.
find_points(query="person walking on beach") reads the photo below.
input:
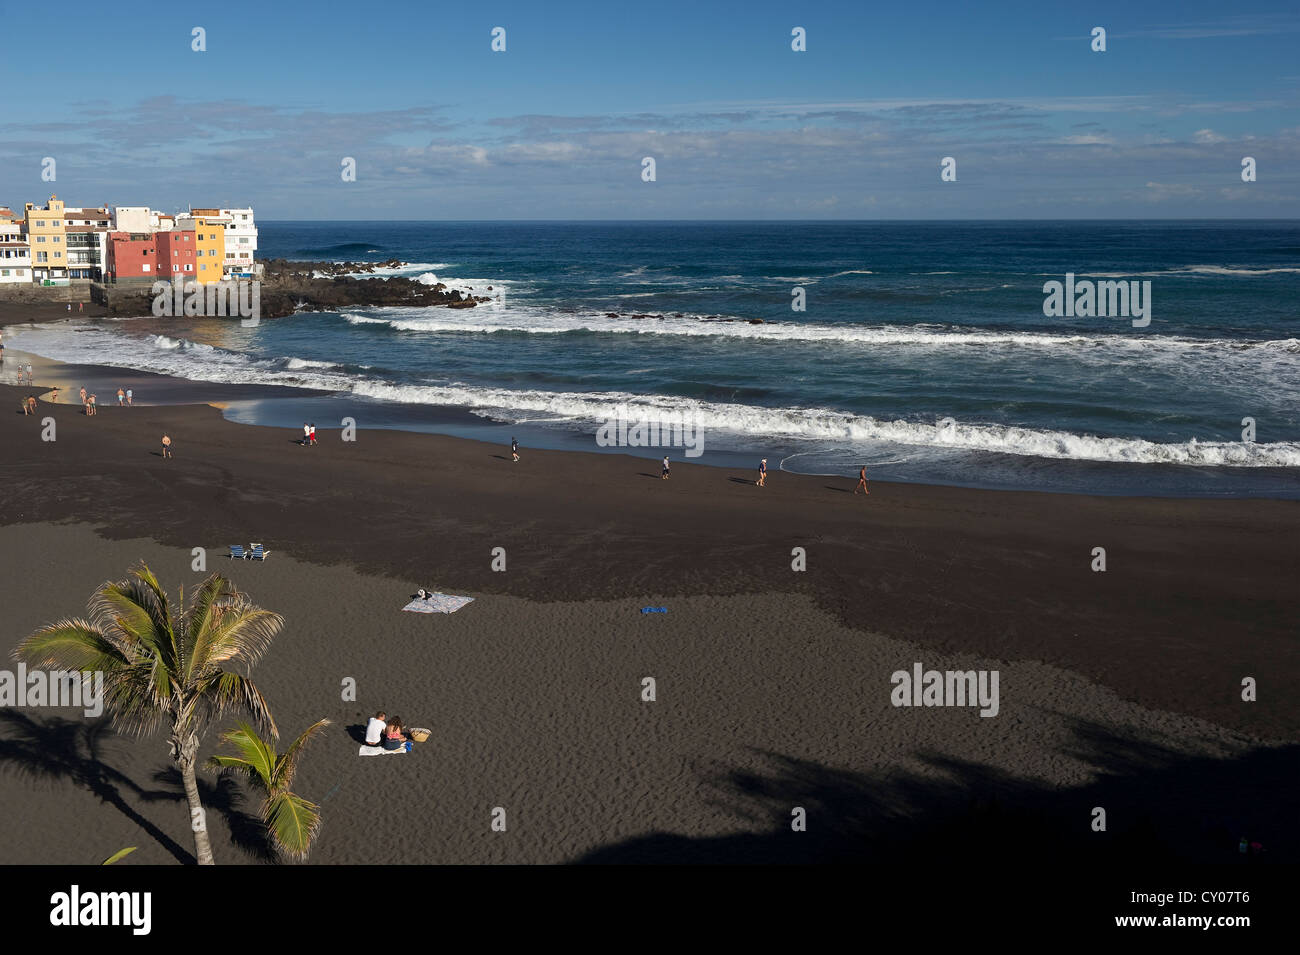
(54, 395)
(79, 305)
(306, 434)
(121, 397)
(129, 396)
(862, 481)
(762, 473)
(83, 397)
(663, 475)
(29, 405)
(29, 373)
(90, 408)
(167, 446)
(514, 450)
(313, 436)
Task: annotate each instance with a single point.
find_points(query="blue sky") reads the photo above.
(740, 126)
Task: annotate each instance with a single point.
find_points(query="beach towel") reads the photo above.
(378, 751)
(654, 609)
(437, 603)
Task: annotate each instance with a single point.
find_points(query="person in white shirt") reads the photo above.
(306, 434)
(375, 729)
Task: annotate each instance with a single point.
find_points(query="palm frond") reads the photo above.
(255, 756)
(223, 691)
(119, 854)
(287, 764)
(72, 644)
(242, 634)
(293, 822)
(208, 604)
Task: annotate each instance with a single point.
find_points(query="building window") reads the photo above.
(40, 238)
(144, 267)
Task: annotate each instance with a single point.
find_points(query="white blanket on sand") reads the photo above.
(379, 751)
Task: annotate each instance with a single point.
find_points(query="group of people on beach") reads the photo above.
(308, 435)
(762, 475)
(381, 731)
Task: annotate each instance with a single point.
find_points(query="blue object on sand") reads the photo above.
(654, 609)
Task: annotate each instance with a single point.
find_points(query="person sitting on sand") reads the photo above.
(167, 446)
(376, 728)
(395, 738)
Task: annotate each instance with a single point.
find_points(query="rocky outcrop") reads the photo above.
(288, 287)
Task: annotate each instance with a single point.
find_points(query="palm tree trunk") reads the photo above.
(185, 754)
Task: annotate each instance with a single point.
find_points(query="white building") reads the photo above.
(86, 240)
(138, 219)
(15, 252)
(241, 241)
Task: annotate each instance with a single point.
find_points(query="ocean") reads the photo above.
(922, 350)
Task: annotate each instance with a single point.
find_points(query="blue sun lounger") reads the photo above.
(237, 552)
(258, 552)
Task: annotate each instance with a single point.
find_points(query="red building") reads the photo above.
(133, 255)
(176, 255)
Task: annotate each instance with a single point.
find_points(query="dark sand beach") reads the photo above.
(1119, 689)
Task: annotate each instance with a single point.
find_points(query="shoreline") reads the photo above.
(1204, 582)
(286, 405)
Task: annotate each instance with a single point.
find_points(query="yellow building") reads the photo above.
(45, 233)
(209, 243)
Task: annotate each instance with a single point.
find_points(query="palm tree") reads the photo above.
(291, 821)
(164, 670)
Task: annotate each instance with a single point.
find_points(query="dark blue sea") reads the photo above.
(922, 350)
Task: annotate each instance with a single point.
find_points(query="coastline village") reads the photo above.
(56, 245)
